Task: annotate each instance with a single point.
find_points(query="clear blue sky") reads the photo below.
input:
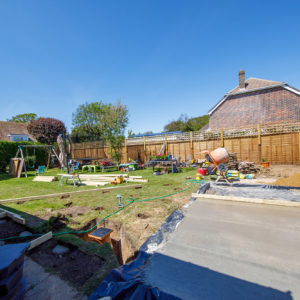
(161, 58)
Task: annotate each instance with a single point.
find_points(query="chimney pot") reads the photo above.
(242, 79)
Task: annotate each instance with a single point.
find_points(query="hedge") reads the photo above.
(9, 150)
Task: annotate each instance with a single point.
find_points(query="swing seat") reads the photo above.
(40, 170)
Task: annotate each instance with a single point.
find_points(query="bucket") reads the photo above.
(219, 155)
(201, 171)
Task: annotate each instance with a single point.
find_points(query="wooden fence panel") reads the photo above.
(276, 148)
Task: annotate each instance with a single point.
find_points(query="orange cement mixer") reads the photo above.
(217, 157)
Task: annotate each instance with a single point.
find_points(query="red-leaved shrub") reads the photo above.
(46, 130)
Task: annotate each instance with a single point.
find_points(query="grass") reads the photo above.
(138, 229)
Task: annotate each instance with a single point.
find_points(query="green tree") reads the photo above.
(177, 125)
(88, 121)
(115, 120)
(187, 124)
(23, 118)
(101, 121)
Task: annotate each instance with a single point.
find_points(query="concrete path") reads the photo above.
(41, 285)
(232, 250)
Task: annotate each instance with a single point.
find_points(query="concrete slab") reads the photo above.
(227, 250)
(41, 285)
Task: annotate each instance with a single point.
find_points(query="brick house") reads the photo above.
(13, 131)
(256, 101)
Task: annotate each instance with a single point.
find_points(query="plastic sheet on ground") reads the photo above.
(127, 282)
(256, 191)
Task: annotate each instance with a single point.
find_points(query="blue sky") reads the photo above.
(161, 58)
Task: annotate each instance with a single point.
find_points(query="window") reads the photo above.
(18, 137)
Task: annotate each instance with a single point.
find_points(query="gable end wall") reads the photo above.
(276, 105)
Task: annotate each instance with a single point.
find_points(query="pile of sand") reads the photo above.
(293, 180)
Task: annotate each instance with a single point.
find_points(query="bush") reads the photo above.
(8, 150)
(46, 130)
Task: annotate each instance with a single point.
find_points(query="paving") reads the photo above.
(41, 285)
(230, 250)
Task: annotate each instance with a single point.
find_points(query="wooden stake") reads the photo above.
(222, 137)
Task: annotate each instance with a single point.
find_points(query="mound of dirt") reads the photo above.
(293, 180)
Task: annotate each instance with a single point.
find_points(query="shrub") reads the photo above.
(46, 130)
(9, 150)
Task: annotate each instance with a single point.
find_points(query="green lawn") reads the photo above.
(38, 212)
(45, 208)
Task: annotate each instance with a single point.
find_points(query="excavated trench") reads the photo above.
(121, 242)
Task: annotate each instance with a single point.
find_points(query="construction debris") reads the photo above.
(246, 167)
(232, 163)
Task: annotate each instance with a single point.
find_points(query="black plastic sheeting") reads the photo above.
(127, 282)
(264, 186)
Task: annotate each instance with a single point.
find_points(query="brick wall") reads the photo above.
(276, 105)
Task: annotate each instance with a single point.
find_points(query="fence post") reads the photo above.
(259, 142)
(191, 144)
(145, 152)
(126, 158)
(222, 137)
(299, 145)
(166, 142)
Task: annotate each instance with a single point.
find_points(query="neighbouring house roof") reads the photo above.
(254, 84)
(13, 128)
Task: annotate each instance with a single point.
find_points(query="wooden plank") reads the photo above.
(249, 200)
(17, 218)
(136, 180)
(38, 197)
(45, 178)
(95, 183)
(36, 242)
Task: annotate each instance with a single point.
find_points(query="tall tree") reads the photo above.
(87, 121)
(101, 121)
(46, 130)
(23, 118)
(115, 120)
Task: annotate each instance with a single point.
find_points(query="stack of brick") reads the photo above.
(12, 282)
(246, 167)
(232, 163)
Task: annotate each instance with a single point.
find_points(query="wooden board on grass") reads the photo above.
(45, 178)
(94, 183)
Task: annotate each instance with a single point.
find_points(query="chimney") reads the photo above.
(242, 79)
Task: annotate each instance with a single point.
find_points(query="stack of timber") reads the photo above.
(233, 163)
(246, 167)
(101, 180)
(45, 178)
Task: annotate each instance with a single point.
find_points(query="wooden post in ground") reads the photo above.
(166, 142)
(125, 144)
(222, 137)
(145, 160)
(299, 146)
(191, 144)
(259, 142)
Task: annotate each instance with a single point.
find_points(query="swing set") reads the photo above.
(51, 152)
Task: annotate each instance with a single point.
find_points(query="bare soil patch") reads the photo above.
(10, 228)
(74, 266)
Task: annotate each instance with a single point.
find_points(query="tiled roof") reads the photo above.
(253, 84)
(7, 128)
